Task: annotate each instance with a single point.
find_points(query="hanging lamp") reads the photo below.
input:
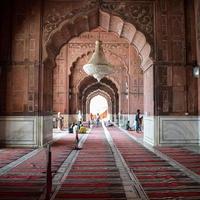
(97, 66)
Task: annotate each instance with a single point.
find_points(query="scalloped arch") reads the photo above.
(86, 54)
(84, 23)
(78, 59)
(89, 82)
(102, 93)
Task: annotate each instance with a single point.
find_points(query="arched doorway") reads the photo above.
(99, 106)
(169, 84)
(118, 53)
(89, 88)
(136, 39)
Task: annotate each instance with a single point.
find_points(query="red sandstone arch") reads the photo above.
(102, 93)
(89, 86)
(83, 23)
(89, 78)
(88, 55)
(92, 81)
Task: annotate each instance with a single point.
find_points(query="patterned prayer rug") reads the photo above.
(27, 181)
(94, 174)
(8, 155)
(159, 179)
(187, 158)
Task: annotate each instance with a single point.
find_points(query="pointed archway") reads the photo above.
(98, 103)
(78, 24)
(107, 89)
(85, 23)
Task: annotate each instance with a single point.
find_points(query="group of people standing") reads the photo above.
(138, 122)
(95, 119)
(74, 128)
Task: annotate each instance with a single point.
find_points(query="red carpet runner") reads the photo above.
(159, 179)
(27, 180)
(94, 174)
(185, 157)
(9, 155)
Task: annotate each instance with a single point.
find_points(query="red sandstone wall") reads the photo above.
(176, 90)
(136, 85)
(22, 74)
(60, 77)
(5, 45)
(175, 87)
(197, 16)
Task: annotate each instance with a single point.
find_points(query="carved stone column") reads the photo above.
(24, 122)
(172, 74)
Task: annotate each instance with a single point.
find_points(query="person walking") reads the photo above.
(138, 119)
(76, 131)
(98, 119)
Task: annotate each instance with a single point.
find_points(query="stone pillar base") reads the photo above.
(25, 131)
(172, 130)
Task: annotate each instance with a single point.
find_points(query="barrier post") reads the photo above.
(49, 174)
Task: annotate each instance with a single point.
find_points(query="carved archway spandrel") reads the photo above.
(138, 13)
(81, 22)
(56, 13)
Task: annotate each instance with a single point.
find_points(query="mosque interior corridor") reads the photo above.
(123, 76)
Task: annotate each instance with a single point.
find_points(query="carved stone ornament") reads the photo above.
(58, 13)
(138, 13)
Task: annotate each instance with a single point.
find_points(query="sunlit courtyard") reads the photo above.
(99, 105)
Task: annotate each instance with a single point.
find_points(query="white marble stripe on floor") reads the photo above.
(132, 187)
(171, 161)
(13, 164)
(65, 168)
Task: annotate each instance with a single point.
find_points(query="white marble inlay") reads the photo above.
(171, 130)
(149, 130)
(48, 128)
(17, 128)
(177, 130)
(31, 131)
